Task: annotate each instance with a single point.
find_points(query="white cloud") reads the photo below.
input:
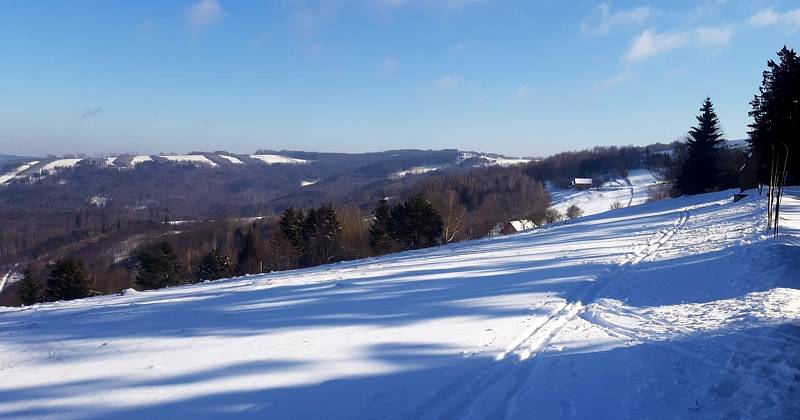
(604, 20)
(769, 17)
(713, 36)
(204, 14)
(765, 17)
(612, 81)
(651, 43)
(448, 82)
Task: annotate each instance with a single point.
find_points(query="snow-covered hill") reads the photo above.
(630, 191)
(681, 308)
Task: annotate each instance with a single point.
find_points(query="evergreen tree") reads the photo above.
(250, 260)
(776, 115)
(215, 265)
(379, 239)
(67, 281)
(29, 289)
(291, 224)
(699, 170)
(321, 237)
(158, 267)
(415, 223)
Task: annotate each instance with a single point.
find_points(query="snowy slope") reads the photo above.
(195, 159)
(675, 309)
(278, 159)
(628, 192)
(16, 171)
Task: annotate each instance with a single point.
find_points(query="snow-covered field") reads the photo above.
(60, 164)
(232, 159)
(15, 172)
(140, 159)
(278, 159)
(630, 192)
(680, 308)
(195, 159)
(417, 170)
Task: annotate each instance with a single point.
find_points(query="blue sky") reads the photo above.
(514, 77)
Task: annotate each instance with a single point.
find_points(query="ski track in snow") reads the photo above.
(461, 398)
(675, 309)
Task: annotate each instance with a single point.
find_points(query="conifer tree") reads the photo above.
(699, 169)
(291, 224)
(250, 261)
(776, 115)
(215, 265)
(158, 267)
(67, 281)
(321, 237)
(415, 223)
(30, 291)
(379, 239)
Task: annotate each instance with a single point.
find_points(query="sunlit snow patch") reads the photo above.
(275, 159)
(13, 173)
(232, 159)
(60, 164)
(196, 159)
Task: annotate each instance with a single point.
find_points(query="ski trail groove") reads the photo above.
(463, 397)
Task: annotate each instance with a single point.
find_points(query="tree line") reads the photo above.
(701, 163)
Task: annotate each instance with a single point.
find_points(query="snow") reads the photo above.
(628, 192)
(196, 159)
(232, 159)
(681, 308)
(307, 183)
(520, 225)
(417, 170)
(60, 164)
(140, 159)
(275, 159)
(493, 159)
(110, 161)
(18, 170)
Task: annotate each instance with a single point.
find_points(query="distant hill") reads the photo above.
(211, 184)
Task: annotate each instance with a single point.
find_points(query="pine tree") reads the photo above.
(250, 260)
(321, 237)
(291, 224)
(215, 265)
(29, 289)
(67, 281)
(699, 171)
(415, 223)
(158, 267)
(379, 239)
(776, 114)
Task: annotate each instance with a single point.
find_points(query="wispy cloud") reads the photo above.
(651, 43)
(522, 92)
(204, 14)
(603, 21)
(612, 81)
(91, 112)
(448, 82)
(769, 17)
